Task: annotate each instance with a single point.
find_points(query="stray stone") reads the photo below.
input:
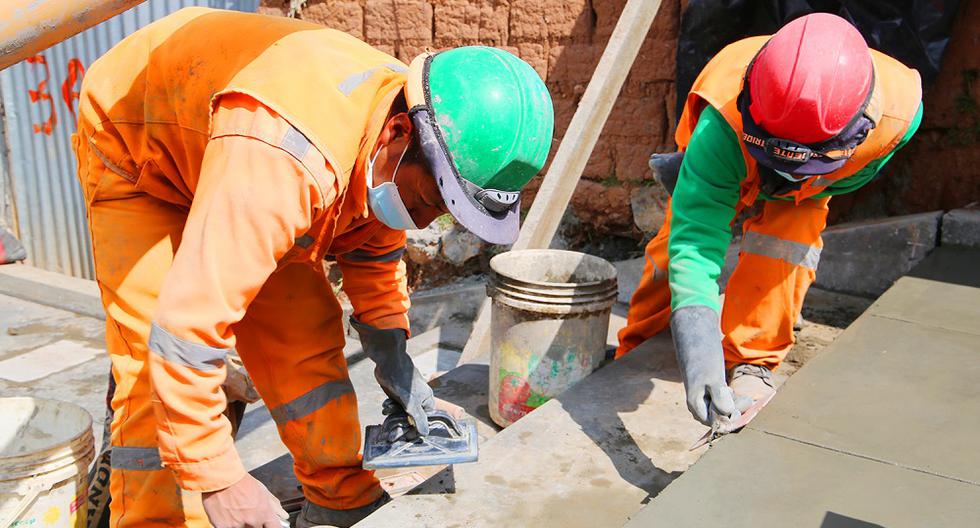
(649, 204)
(423, 245)
(459, 245)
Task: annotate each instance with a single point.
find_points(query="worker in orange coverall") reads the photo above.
(223, 156)
(788, 120)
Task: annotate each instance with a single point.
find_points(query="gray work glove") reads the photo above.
(697, 340)
(396, 373)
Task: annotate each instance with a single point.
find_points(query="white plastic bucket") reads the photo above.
(46, 447)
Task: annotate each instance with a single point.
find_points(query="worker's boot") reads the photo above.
(752, 381)
(317, 516)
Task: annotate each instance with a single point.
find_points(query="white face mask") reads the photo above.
(385, 201)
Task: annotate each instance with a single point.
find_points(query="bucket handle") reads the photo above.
(25, 503)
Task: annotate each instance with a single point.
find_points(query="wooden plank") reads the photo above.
(576, 146)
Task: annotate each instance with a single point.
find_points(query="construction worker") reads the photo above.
(788, 120)
(223, 156)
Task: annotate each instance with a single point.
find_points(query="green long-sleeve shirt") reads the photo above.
(704, 200)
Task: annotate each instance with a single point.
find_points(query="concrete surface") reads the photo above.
(866, 258)
(611, 442)
(961, 227)
(880, 430)
(25, 329)
(759, 480)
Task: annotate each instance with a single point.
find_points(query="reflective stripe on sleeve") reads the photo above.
(348, 85)
(359, 255)
(135, 458)
(181, 352)
(311, 401)
(795, 253)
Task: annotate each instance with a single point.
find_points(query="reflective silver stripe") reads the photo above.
(795, 253)
(176, 350)
(135, 458)
(311, 401)
(348, 85)
(360, 255)
(295, 143)
(304, 241)
(820, 181)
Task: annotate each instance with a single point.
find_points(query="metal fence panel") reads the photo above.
(42, 179)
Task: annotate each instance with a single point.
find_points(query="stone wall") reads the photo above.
(563, 39)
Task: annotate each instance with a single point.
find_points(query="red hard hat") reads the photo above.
(810, 79)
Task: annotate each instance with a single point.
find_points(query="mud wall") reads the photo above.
(563, 41)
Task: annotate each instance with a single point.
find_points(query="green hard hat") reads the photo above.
(485, 121)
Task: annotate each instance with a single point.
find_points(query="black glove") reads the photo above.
(396, 373)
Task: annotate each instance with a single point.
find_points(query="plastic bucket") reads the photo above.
(549, 322)
(46, 447)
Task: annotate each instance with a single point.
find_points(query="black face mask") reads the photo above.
(774, 184)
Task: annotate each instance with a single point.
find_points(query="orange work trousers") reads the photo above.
(290, 340)
(777, 263)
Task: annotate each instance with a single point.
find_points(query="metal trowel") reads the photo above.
(721, 427)
(397, 444)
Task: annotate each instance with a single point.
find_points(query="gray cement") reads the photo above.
(590, 458)
(760, 480)
(878, 431)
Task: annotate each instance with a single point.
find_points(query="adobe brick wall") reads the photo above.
(562, 40)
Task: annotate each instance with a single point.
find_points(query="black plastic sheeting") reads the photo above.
(913, 31)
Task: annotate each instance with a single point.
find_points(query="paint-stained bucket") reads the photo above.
(46, 447)
(549, 321)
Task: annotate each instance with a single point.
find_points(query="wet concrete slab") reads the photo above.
(591, 457)
(760, 480)
(894, 391)
(880, 430)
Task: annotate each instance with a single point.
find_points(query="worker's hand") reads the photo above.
(697, 340)
(244, 504)
(396, 373)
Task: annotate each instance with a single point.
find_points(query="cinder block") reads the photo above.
(865, 258)
(961, 227)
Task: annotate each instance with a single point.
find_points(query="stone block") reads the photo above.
(459, 245)
(866, 258)
(961, 227)
(423, 244)
(460, 22)
(649, 206)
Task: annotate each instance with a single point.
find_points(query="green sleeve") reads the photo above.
(864, 176)
(702, 209)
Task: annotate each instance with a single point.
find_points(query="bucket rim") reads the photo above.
(67, 443)
(513, 254)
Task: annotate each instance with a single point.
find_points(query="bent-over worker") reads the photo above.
(223, 156)
(790, 121)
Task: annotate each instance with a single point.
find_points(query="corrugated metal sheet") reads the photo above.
(47, 200)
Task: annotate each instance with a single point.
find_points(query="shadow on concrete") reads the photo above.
(836, 520)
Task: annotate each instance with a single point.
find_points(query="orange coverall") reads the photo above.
(210, 213)
(781, 245)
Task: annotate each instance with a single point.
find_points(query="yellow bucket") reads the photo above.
(46, 447)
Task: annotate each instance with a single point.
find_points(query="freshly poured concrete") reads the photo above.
(590, 458)
(759, 480)
(881, 430)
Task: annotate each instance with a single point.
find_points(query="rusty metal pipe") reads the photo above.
(30, 26)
